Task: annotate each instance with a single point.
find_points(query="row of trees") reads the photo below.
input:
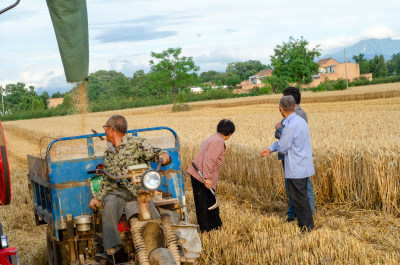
(170, 73)
(235, 73)
(19, 97)
(378, 66)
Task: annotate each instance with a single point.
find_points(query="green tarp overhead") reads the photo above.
(70, 22)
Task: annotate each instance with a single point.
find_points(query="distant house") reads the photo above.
(196, 90)
(333, 70)
(327, 65)
(327, 69)
(260, 76)
(54, 102)
(256, 80)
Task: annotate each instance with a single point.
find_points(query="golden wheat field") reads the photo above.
(356, 144)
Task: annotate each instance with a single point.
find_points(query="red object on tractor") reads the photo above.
(5, 254)
(123, 226)
(8, 256)
(5, 184)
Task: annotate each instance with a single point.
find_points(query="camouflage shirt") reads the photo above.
(131, 151)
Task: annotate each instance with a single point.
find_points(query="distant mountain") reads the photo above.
(369, 47)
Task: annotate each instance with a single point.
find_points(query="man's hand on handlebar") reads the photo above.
(166, 158)
(93, 203)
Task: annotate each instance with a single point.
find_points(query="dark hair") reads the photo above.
(287, 103)
(293, 91)
(226, 127)
(118, 123)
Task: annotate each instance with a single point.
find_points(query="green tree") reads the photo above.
(278, 84)
(142, 84)
(208, 76)
(37, 104)
(121, 86)
(226, 79)
(363, 63)
(394, 64)
(104, 85)
(381, 69)
(44, 97)
(373, 64)
(365, 67)
(294, 62)
(229, 79)
(68, 102)
(171, 70)
(232, 80)
(359, 58)
(99, 83)
(57, 95)
(245, 69)
(195, 80)
(19, 97)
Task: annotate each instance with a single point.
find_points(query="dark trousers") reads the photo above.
(310, 195)
(110, 215)
(298, 191)
(115, 203)
(203, 199)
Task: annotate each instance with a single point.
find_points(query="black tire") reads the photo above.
(1, 229)
(161, 256)
(57, 252)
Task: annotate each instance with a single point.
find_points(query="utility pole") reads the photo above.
(345, 69)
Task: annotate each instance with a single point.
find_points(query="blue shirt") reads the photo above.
(300, 112)
(295, 145)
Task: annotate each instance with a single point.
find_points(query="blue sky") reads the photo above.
(123, 33)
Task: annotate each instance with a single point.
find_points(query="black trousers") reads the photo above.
(298, 191)
(203, 199)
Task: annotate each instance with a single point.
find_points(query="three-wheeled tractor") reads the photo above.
(63, 180)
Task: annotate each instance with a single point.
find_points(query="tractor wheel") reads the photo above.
(161, 256)
(57, 252)
(1, 229)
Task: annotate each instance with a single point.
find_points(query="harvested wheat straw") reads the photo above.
(356, 146)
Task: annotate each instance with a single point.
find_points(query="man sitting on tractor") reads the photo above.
(125, 151)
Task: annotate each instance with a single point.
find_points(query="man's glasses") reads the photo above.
(105, 126)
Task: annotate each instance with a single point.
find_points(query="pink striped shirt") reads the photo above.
(209, 159)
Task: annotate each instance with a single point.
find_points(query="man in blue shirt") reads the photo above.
(295, 145)
(291, 213)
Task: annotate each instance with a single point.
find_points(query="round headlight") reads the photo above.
(151, 180)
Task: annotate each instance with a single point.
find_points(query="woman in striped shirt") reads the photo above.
(209, 161)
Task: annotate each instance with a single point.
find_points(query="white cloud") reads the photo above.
(334, 43)
(215, 32)
(379, 32)
(338, 42)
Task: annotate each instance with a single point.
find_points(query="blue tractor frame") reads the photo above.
(61, 188)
